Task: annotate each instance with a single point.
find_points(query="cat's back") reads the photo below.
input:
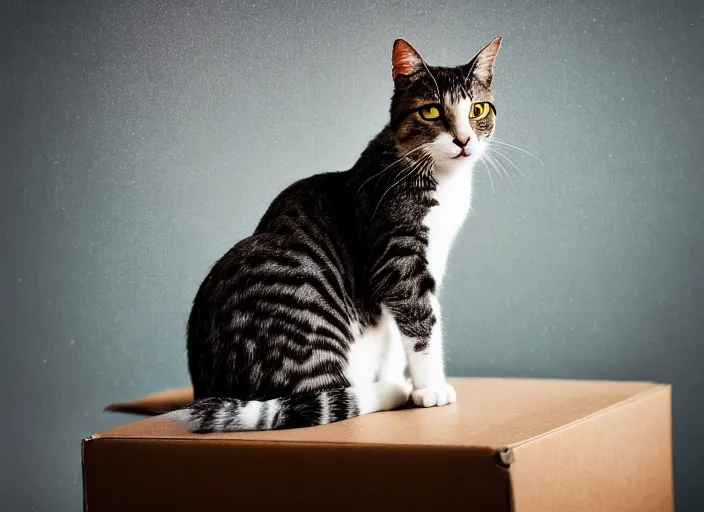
(295, 264)
(322, 199)
(308, 226)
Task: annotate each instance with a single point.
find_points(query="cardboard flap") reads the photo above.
(156, 403)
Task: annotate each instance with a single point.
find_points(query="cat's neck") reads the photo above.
(380, 151)
(381, 165)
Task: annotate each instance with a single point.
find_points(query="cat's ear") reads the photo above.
(482, 65)
(405, 61)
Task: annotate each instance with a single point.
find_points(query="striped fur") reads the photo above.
(298, 410)
(316, 316)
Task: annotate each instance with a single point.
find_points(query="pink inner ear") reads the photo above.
(405, 60)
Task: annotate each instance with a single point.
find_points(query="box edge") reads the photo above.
(655, 388)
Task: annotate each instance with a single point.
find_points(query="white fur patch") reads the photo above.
(365, 355)
(273, 408)
(454, 197)
(394, 361)
(463, 128)
(440, 395)
(248, 416)
(381, 396)
(377, 353)
(324, 409)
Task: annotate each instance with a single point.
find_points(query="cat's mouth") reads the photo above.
(462, 154)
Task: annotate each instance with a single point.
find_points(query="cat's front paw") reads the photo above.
(432, 396)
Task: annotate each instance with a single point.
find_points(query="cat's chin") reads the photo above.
(462, 164)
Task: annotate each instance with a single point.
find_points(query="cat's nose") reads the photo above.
(460, 143)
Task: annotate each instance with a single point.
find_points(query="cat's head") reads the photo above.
(446, 112)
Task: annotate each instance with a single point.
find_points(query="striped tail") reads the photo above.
(300, 410)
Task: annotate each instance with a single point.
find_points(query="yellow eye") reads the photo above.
(479, 111)
(430, 113)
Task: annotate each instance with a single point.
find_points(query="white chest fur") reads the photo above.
(454, 197)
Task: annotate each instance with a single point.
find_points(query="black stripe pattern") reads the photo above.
(295, 411)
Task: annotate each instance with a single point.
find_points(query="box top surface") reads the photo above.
(489, 413)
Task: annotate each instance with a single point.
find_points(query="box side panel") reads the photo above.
(141, 475)
(620, 461)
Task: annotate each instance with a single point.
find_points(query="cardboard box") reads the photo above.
(506, 445)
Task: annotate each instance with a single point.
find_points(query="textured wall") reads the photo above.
(140, 140)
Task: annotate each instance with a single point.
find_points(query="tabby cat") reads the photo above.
(316, 316)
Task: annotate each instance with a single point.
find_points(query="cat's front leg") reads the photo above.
(421, 334)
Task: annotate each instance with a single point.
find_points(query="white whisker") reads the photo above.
(518, 148)
(409, 167)
(499, 153)
(420, 163)
(504, 169)
(488, 172)
(493, 162)
(436, 83)
(422, 146)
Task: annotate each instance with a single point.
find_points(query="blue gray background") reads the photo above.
(140, 140)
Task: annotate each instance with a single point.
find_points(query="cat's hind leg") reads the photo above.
(377, 354)
(393, 362)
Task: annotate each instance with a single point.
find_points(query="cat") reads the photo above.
(316, 317)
